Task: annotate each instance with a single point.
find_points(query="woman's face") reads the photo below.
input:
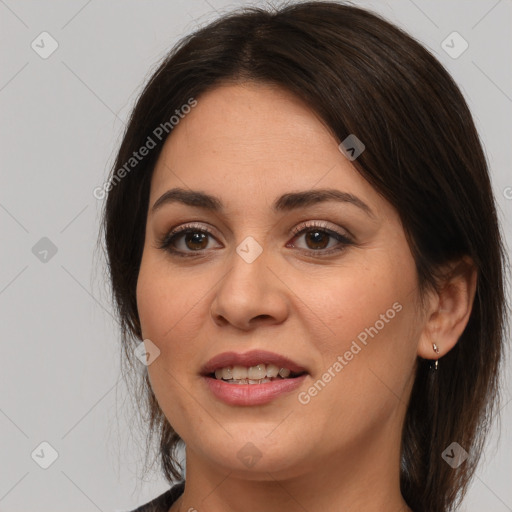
(265, 272)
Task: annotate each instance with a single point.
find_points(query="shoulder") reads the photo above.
(163, 502)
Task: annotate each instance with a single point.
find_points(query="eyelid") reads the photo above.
(320, 224)
(344, 239)
(295, 231)
(165, 239)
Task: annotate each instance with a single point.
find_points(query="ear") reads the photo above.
(449, 309)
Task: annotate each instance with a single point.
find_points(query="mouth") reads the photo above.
(258, 374)
(252, 378)
(255, 365)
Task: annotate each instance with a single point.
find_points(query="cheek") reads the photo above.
(166, 314)
(152, 301)
(169, 310)
(368, 315)
(161, 299)
(346, 301)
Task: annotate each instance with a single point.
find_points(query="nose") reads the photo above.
(250, 294)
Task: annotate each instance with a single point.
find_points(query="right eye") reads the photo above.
(189, 238)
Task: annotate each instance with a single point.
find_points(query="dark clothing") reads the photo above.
(163, 502)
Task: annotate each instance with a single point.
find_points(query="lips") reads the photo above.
(248, 359)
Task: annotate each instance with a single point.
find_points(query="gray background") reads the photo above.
(61, 122)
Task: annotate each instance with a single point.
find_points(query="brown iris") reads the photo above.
(319, 239)
(192, 240)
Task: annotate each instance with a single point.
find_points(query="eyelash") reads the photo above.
(166, 242)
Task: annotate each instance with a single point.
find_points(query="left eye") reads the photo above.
(318, 238)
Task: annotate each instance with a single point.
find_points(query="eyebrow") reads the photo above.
(285, 203)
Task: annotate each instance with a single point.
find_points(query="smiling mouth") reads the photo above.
(258, 374)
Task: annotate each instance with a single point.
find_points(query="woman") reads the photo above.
(301, 231)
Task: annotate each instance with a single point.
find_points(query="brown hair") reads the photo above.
(363, 76)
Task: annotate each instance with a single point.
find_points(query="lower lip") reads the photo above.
(252, 394)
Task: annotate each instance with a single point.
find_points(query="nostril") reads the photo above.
(262, 317)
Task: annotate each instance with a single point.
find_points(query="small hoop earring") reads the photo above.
(436, 350)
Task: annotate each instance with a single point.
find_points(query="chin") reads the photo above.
(255, 456)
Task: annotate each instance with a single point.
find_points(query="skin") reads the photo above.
(247, 144)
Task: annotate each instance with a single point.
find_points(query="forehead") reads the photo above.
(257, 140)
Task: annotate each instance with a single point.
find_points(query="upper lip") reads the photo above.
(251, 358)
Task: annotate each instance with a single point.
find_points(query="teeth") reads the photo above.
(239, 372)
(284, 372)
(272, 370)
(249, 381)
(254, 375)
(257, 372)
(227, 373)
